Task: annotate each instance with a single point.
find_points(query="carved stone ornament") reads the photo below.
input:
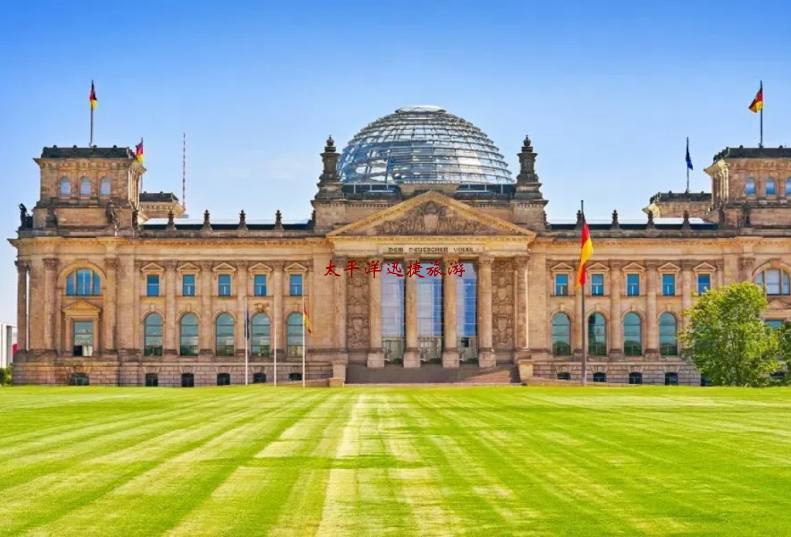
(432, 218)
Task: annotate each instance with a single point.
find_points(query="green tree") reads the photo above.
(727, 339)
(784, 343)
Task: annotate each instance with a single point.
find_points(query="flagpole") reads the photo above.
(687, 191)
(90, 143)
(303, 338)
(761, 143)
(582, 317)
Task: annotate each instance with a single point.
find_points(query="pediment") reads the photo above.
(188, 267)
(705, 267)
(669, 267)
(430, 214)
(296, 267)
(82, 307)
(634, 267)
(152, 267)
(224, 267)
(598, 267)
(562, 267)
(260, 268)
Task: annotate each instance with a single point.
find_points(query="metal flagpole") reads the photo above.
(90, 144)
(246, 342)
(761, 144)
(687, 191)
(303, 338)
(582, 318)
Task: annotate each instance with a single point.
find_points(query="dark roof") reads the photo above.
(87, 152)
(680, 196)
(158, 197)
(754, 152)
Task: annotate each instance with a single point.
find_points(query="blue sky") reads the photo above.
(608, 93)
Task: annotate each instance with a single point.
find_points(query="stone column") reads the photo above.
(376, 357)
(486, 356)
(206, 314)
(687, 288)
(450, 351)
(522, 312)
(51, 315)
(125, 300)
(21, 305)
(108, 303)
(242, 285)
(139, 289)
(616, 292)
(278, 322)
(412, 353)
(340, 303)
(37, 316)
(651, 349)
(169, 341)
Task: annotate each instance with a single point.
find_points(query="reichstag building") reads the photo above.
(424, 259)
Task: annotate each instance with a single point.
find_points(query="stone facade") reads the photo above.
(90, 223)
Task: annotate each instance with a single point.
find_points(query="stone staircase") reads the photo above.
(431, 374)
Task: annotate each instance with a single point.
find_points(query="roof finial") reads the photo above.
(615, 224)
(184, 171)
(278, 220)
(206, 221)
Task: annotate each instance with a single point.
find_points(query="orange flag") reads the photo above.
(139, 154)
(758, 103)
(92, 97)
(586, 252)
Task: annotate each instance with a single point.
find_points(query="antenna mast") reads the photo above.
(184, 171)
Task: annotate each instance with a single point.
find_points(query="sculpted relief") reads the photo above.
(432, 218)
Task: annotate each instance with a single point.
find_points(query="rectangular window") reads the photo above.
(704, 283)
(82, 338)
(259, 285)
(668, 284)
(224, 285)
(775, 324)
(597, 284)
(633, 285)
(152, 285)
(561, 284)
(188, 285)
(295, 285)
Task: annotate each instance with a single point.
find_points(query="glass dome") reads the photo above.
(422, 144)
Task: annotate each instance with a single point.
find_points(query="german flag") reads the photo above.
(586, 252)
(139, 154)
(758, 103)
(92, 97)
(306, 319)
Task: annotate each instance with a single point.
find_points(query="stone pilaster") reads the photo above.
(616, 290)
(242, 290)
(340, 303)
(522, 317)
(108, 309)
(376, 357)
(126, 298)
(687, 288)
(137, 321)
(21, 306)
(206, 310)
(486, 356)
(278, 332)
(412, 353)
(450, 351)
(651, 349)
(169, 341)
(51, 316)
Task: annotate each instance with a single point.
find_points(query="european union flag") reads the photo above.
(689, 159)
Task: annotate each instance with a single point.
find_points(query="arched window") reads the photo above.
(188, 336)
(771, 187)
(597, 335)
(635, 377)
(749, 187)
(223, 343)
(564, 375)
(152, 335)
(774, 282)
(83, 282)
(632, 337)
(671, 379)
(64, 190)
(599, 377)
(788, 187)
(561, 335)
(259, 335)
(105, 187)
(85, 187)
(294, 336)
(668, 335)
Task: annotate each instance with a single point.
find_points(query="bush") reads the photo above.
(5, 375)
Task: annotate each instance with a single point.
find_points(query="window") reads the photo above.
(668, 338)
(632, 285)
(83, 282)
(259, 335)
(187, 380)
(749, 187)
(294, 336)
(152, 285)
(188, 343)
(565, 375)
(259, 378)
(466, 313)
(632, 338)
(259, 285)
(294, 376)
(224, 285)
(223, 379)
(774, 282)
(597, 335)
(65, 187)
(85, 187)
(152, 335)
(561, 284)
(152, 380)
(774, 324)
(82, 338)
(668, 284)
(561, 335)
(788, 187)
(79, 379)
(599, 377)
(704, 283)
(105, 187)
(188, 285)
(635, 377)
(671, 379)
(597, 284)
(771, 187)
(224, 344)
(295, 285)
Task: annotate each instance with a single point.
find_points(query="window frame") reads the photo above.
(183, 337)
(700, 275)
(560, 348)
(85, 180)
(225, 289)
(256, 284)
(225, 342)
(666, 348)
(76, 282)
(65, 180)
(185, 286)
(629, 286)
(560, 288)
(108, 182)
(601, 286)
(671, 291)
(597, 348)
(770, 181)
(153, 350)
(630, 346)
(155, 286)
(291, 285)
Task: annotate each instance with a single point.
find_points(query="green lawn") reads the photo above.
(374, 461)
